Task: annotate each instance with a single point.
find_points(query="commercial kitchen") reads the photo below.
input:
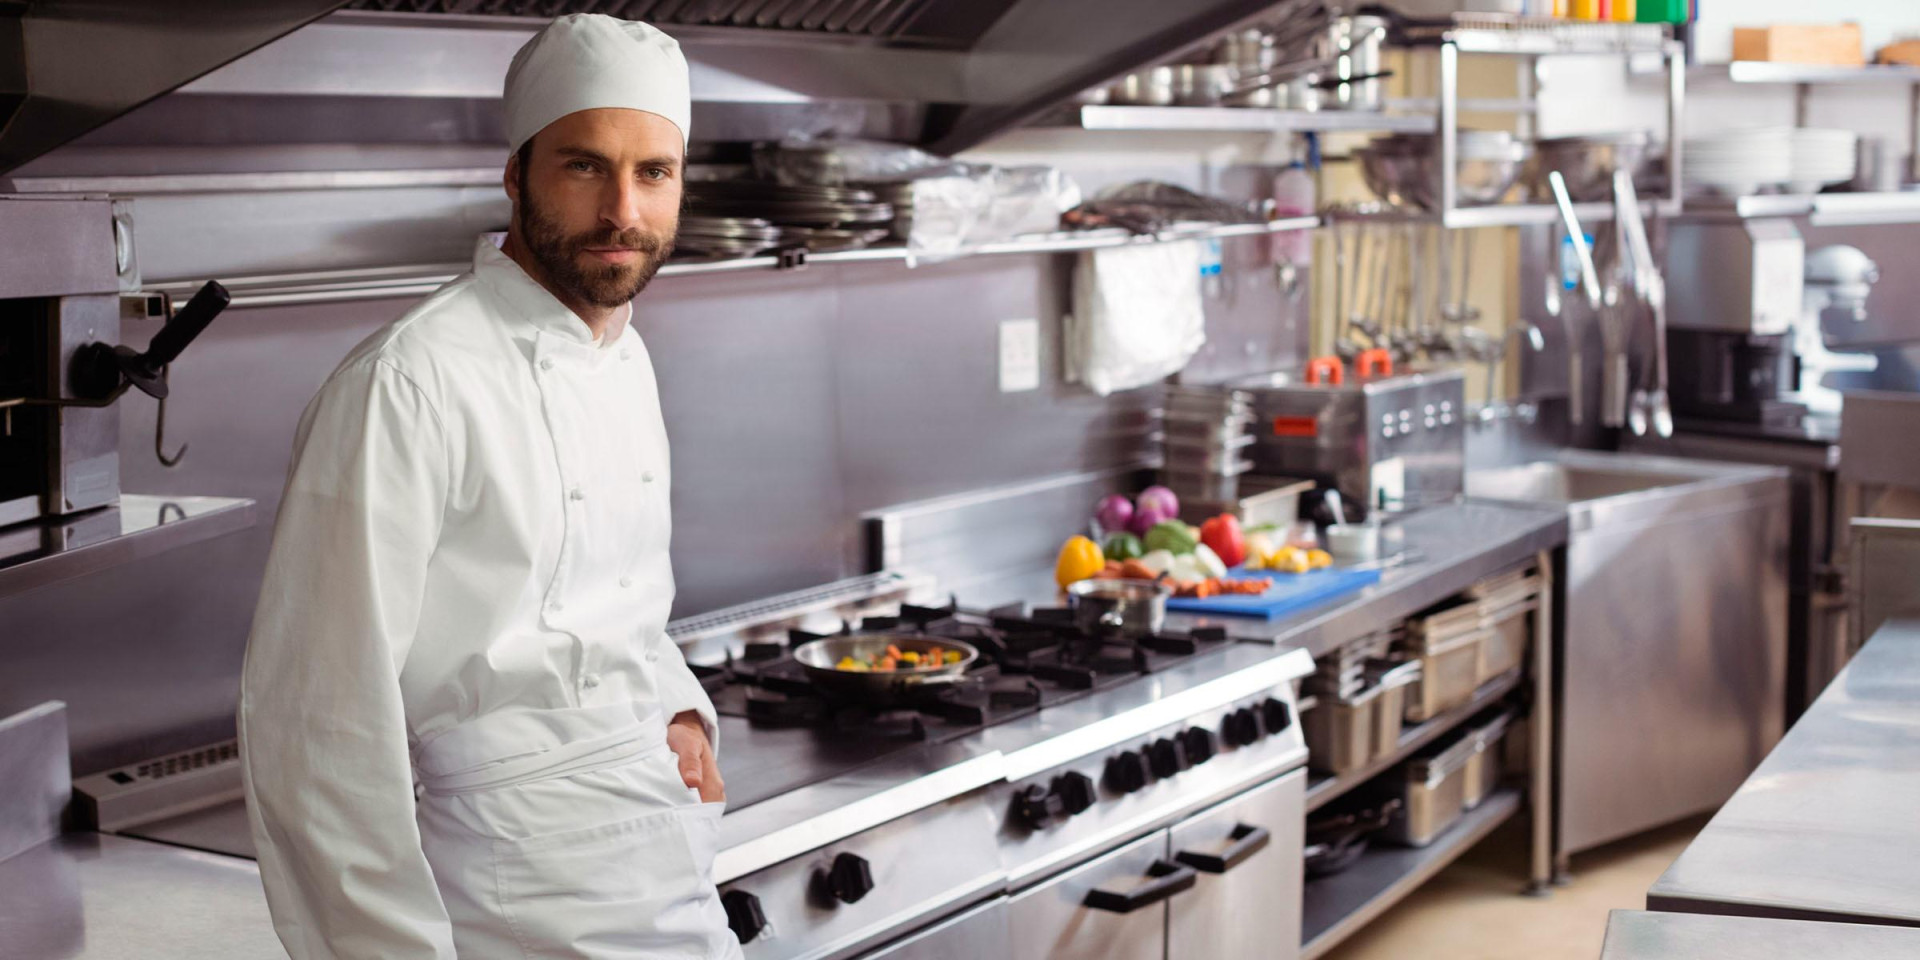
(1153, 480)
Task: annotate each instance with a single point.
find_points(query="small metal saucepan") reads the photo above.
(1125, 608)
(819, 657)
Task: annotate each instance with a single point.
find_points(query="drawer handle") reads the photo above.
(1247, 841)
(1169, 879)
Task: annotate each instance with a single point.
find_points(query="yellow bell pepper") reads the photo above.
(1319, 559)
(1080, 558)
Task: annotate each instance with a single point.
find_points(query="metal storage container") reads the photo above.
(1339, 731)
(1449, 673)
(1483, 769)
(1391, 678)
(1435, 794)
(1506, 639)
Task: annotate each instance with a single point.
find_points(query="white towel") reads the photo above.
(1137, 316)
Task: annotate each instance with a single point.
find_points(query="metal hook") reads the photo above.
(160, 432)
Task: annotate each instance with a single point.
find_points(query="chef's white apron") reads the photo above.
(592, 849)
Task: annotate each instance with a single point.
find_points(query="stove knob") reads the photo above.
(1199, 744)
(1240, 728)
(1036, 806)
(1074, 790)
(1166, 757)
(1276, 714)
(1126, 772)
(848, 879)
(744, 916)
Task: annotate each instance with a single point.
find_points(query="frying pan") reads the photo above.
(819, 656)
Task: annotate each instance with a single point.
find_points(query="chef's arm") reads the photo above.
(680, 690)
(322, 728)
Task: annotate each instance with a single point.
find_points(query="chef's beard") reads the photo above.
(559, 256)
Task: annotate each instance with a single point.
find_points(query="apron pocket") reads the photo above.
(624, 890)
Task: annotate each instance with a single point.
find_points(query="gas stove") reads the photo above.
(1031, 659)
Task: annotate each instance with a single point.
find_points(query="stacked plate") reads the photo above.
(1818, 158)
(726, 236)
(1735, 163)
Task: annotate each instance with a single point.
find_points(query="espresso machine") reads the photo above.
(68, 277)
(1732, 307)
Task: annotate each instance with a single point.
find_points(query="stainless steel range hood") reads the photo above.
(68, 66)
(942, 74)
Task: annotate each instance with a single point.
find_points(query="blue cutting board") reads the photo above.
(1291, 593)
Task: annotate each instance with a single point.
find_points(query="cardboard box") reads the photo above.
(1838, 44)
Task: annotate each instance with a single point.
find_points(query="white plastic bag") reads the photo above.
(1137, 315)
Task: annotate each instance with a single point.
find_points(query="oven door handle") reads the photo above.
(1168, 879)
(1247, 841)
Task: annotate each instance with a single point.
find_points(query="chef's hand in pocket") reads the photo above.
(687, 737)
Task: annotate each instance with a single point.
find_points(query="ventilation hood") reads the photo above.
(68, 66)
(941, 74)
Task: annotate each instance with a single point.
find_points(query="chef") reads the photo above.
(465, 730)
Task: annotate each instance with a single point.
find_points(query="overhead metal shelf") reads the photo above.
(334, 286)
(1244, 120)
(1502, 214)
(37, 553)
(1754, 71)
(1820, 209)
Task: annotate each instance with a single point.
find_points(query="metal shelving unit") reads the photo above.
(1519, 36)
(1820, 209)
(1338, 906)
(1245, 120)
(1330, 788)
(333, 286)
(37, 553)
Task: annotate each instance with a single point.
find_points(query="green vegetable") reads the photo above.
(1123, 546)
(1173, 536)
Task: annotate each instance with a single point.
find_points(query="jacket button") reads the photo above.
(590, 681)
(576, 494)
(652, 656)
(626, 354)
(546, 364)
(646, 476)
(554, 608)
(626, 581)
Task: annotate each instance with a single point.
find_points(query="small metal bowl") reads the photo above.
(1587, 164)
(1404, 169)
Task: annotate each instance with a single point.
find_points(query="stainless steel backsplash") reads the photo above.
(795, 401)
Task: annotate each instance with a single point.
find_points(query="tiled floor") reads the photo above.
(1474, 909)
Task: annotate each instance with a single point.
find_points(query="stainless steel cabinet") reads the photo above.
(1128, 921)
(977, 934)
(1246, 902)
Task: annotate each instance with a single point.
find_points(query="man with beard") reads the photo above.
(465, 731)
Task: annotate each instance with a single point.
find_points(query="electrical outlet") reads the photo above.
(1019, 355)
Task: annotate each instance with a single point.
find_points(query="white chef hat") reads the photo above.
(585, 61)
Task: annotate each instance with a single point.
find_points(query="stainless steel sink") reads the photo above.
(1673, 632)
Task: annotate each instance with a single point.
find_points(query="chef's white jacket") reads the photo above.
(468, 590)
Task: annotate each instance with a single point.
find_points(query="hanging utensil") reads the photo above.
(1589, 284)
(1653, 291)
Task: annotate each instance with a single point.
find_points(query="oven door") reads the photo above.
(1113, 908)
(1248, 851)
(973, 935)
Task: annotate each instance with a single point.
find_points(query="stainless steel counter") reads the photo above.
(1639, 935)
(1453, 546)
(1826, 827)
(105, 898)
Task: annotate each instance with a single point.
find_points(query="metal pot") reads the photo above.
(1125, 608)
(1201, 84)
(1152, 87)
(1354, 44)
(818, 658)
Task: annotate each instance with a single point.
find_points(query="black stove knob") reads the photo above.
(1276, 715)
(1075, 791)
(1240, 728)
(1038, 807)
(848, 879)
(1198, 742)
(744, 916)
(1166, 757)
(1126, 772)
